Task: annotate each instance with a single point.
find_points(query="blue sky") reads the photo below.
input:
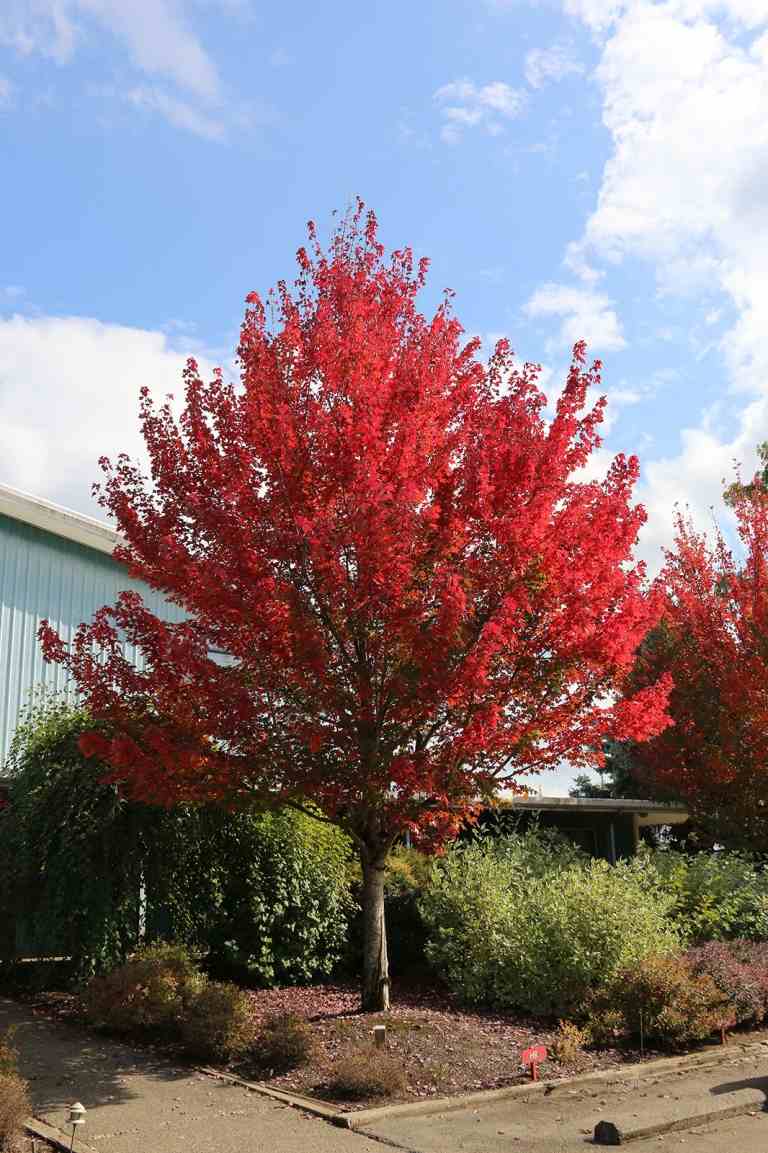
(593, 168)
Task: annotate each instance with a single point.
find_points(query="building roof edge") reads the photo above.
(56, 519)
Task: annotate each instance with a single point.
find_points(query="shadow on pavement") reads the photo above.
(758, 1083)
(63, 1063)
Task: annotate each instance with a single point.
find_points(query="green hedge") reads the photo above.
(716, 896)
(532, 924)
(267, 896)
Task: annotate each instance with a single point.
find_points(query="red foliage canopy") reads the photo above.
(417, 597)
(714, 642)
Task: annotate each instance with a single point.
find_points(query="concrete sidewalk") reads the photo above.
(141, 1104)
(563, 1119)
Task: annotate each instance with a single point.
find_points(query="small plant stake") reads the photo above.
(76, 1118)
(532, 1058)
(379, 1036)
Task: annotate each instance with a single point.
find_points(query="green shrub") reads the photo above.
(15, 1105)
(532, 924)
(69, 876)
(283, 899)
(661, 998)
(267, 895)
(284, 1042)
(717, 896)
(149, 995)
(217, 1024)
(365, 1073)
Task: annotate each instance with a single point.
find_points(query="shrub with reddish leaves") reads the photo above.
(148, 995)
(284, 1042)
(739, 978)
(662, 998)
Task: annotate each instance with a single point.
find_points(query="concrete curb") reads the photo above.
(363, 1117)
(637, 1071)
(56, 1137)
(686, 1123)
(309, 1104)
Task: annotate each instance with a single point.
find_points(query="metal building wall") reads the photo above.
(46, 576)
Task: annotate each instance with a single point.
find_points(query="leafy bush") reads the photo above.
(283, 896)
(738, 974)
(284, 1042)
(268, 895)
(15, 1105)
(217, 1025)
(150, 994)
(531, 923)
(364, 1073)
(659, 997)
(603, 1025)
(69, 876)
(568, 1042)
(716, 896)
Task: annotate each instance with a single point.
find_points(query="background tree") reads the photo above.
(614, 777)
(417, 598)
(714, 642)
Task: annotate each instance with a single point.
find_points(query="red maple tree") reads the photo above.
(417, 598)
(713, 641)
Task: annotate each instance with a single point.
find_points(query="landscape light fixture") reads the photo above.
(76, 1117)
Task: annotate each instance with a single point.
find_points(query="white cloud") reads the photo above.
(6, 92)
(43, 26)
(686, 103)
(156, 34)
(693, 479)
(543, 65)
(586, 315)
(159, 40)
(178, 112)
(684, 87)
(69, 394)
(464, 105)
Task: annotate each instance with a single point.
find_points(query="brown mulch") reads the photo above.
(446, 1049)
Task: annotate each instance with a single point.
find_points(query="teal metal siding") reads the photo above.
(46, 576)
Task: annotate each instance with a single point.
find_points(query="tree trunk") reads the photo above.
(375, 997)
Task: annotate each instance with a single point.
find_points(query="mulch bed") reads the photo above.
(445, 1049)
